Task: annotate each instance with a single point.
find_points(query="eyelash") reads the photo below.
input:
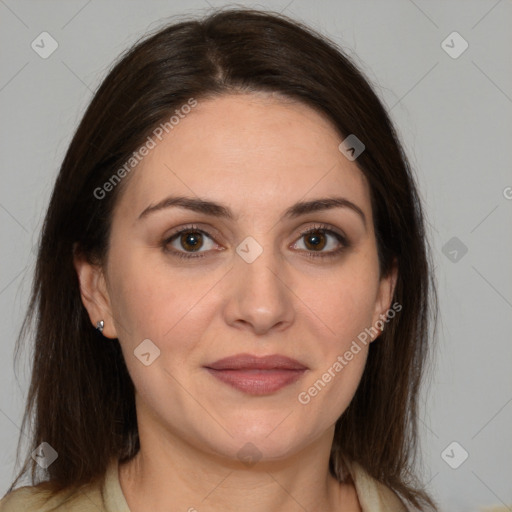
(319, 228)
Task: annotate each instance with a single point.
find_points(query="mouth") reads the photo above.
(257, 375)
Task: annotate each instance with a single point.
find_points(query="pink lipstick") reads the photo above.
(257, 375)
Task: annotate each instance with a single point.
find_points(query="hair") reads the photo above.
(81, 397)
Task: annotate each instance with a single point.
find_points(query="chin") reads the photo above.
(266, 443)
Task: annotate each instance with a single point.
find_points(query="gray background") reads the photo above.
(454, 116)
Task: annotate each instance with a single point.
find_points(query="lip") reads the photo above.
(257, 375)
(251, 362)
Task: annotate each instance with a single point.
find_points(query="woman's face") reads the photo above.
(253, 284)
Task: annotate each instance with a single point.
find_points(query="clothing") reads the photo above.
(108, 497)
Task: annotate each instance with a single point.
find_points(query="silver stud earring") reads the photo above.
(100, 325)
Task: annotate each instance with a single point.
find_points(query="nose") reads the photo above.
(259, 298)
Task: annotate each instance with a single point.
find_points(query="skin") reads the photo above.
(257, 154)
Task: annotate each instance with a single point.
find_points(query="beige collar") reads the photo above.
(372, 494)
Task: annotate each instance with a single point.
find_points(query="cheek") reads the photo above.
(146, 300)
(156, 302)
(344, 301)
(328, 391)
(342, 355)
(152, 302)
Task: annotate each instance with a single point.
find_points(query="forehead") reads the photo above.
(252, 151)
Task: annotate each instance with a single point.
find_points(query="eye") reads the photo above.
(314, 240)
(189, 240)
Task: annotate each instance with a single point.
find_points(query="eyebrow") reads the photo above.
(218, 210)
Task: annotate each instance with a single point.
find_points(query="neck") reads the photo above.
(170, 474)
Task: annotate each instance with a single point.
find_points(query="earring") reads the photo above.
(100, 325)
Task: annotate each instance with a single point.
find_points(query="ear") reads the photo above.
(384, 297)
(94, 293)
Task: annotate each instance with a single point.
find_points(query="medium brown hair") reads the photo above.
(81, 396)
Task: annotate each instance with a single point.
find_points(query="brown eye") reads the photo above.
(191, 240)
(321, 242)
(315, 240)
(188, 241)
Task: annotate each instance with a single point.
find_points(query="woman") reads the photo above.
(233, 292)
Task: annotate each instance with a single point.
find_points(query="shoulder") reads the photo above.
(103, 495)
(29, 498)
(37, 499)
